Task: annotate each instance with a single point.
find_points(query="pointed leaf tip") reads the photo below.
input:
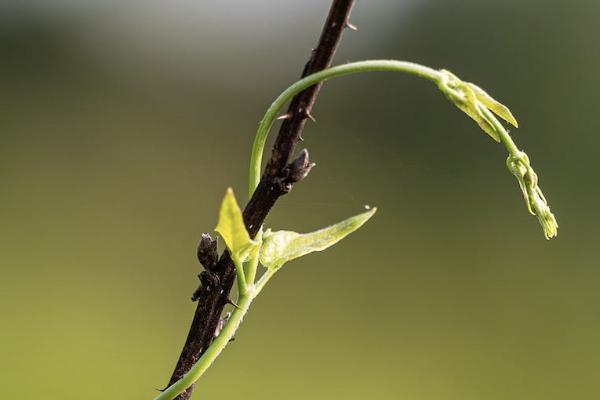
(283, 246)
(471, 99)
(493, 105)
(232, 229)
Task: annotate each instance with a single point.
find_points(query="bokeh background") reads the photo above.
(122, 123)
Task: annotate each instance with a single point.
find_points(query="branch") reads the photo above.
(277, 180)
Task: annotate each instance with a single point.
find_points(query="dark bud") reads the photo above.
(207, 252)
(292, 173)
(299, 168)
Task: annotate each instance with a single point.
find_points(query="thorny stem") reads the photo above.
(211, 302)
(225, 336)
(247, 293)
(212, 352)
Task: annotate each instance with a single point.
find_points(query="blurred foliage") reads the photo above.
(122, 124)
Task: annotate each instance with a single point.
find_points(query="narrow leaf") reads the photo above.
(464, 97)
(232, 229)
(471, 108)
(283, 246)
(494, 106)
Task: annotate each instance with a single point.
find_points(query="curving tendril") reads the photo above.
(468, 97)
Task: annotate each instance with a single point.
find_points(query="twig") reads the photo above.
(278, 178)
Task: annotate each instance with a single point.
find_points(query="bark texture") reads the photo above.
(280, 174)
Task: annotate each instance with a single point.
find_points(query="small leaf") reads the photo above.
(493, 105)
(471, 108)
(463, 96)
(472, 99)
(232, 229)
(283, 246)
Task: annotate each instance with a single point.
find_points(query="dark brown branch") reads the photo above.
(278, 178)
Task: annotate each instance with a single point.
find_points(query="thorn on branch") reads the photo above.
(304, 113)
(284, 116)
(350, 26)
(230, 301)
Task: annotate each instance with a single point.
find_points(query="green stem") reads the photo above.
(241, 277)
(253, 262)
(212, 352)
(346, 69)
(263, 281)
(505, 138)
(252, 268)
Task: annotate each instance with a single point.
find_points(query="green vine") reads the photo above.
(273, 249)
(471, 99)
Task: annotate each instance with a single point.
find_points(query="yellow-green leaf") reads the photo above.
(283, 246)
(232, 229)
(471, 108)
(494, 106)
(472, 100)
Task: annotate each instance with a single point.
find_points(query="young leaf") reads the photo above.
(232, 229)
(493, 105)
(471, 99)
(282, 246)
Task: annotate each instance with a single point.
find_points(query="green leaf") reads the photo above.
(472, 100)
(232, 229)
(283, 246)
(471, 108)
(493, 105)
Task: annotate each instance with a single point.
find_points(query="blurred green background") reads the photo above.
(122, 123)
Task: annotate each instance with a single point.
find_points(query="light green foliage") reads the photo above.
(283, 246)
(481, 107)
(232, 230)
(273, 249)
(471, 99)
